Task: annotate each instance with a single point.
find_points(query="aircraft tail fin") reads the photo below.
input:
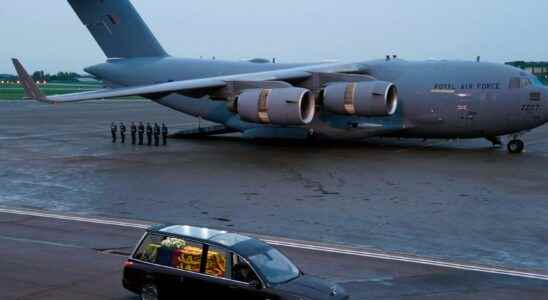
(31, 89)
(118, 28)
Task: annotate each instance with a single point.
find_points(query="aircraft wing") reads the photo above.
(213, 83)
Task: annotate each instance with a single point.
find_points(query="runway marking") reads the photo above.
(73, 218)
(302, 245)
(409, 259)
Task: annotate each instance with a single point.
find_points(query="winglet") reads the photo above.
(31, 89)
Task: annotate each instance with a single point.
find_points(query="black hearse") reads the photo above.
(184, 262)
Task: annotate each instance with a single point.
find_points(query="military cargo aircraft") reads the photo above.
(382, 98)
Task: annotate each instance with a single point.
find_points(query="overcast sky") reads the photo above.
(48, 35)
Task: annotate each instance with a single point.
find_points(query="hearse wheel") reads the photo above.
(516, 146)
(149, 292)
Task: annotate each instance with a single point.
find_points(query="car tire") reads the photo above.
(150, 292)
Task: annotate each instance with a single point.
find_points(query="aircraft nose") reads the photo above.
(544, 102)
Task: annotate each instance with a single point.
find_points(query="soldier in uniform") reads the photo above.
(141, 133)
(156, 134)
(149, 134)
(164, 134)
(133, 133)
(123, 132)
(113, 131)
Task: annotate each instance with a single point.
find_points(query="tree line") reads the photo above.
(59, 77)
(42, 76)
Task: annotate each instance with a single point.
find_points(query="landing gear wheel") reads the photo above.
(149, 292)
(516, 146)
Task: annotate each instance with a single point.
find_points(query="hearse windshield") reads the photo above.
(275, 267)
(271, 263)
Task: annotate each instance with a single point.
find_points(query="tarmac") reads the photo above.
(456, 201)
(55, 258)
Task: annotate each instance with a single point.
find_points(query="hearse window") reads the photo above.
(188, 257)
(171, 252)
(242, 271)
(217, 262)
(148, 250)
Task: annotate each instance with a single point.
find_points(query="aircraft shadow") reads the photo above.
(391, 144)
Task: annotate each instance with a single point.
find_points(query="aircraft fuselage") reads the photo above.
(437, 99)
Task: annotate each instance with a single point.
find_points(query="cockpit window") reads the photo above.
(515, 83)
(520, 83)
(537, 82)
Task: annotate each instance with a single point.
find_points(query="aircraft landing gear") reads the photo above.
(516, 146)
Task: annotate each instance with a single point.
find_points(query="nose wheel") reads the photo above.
(516, 146)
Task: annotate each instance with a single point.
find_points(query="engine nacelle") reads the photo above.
(281, 106)
(368, 98)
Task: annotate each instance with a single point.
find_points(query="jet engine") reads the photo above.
(280, 106)
(368, 98)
